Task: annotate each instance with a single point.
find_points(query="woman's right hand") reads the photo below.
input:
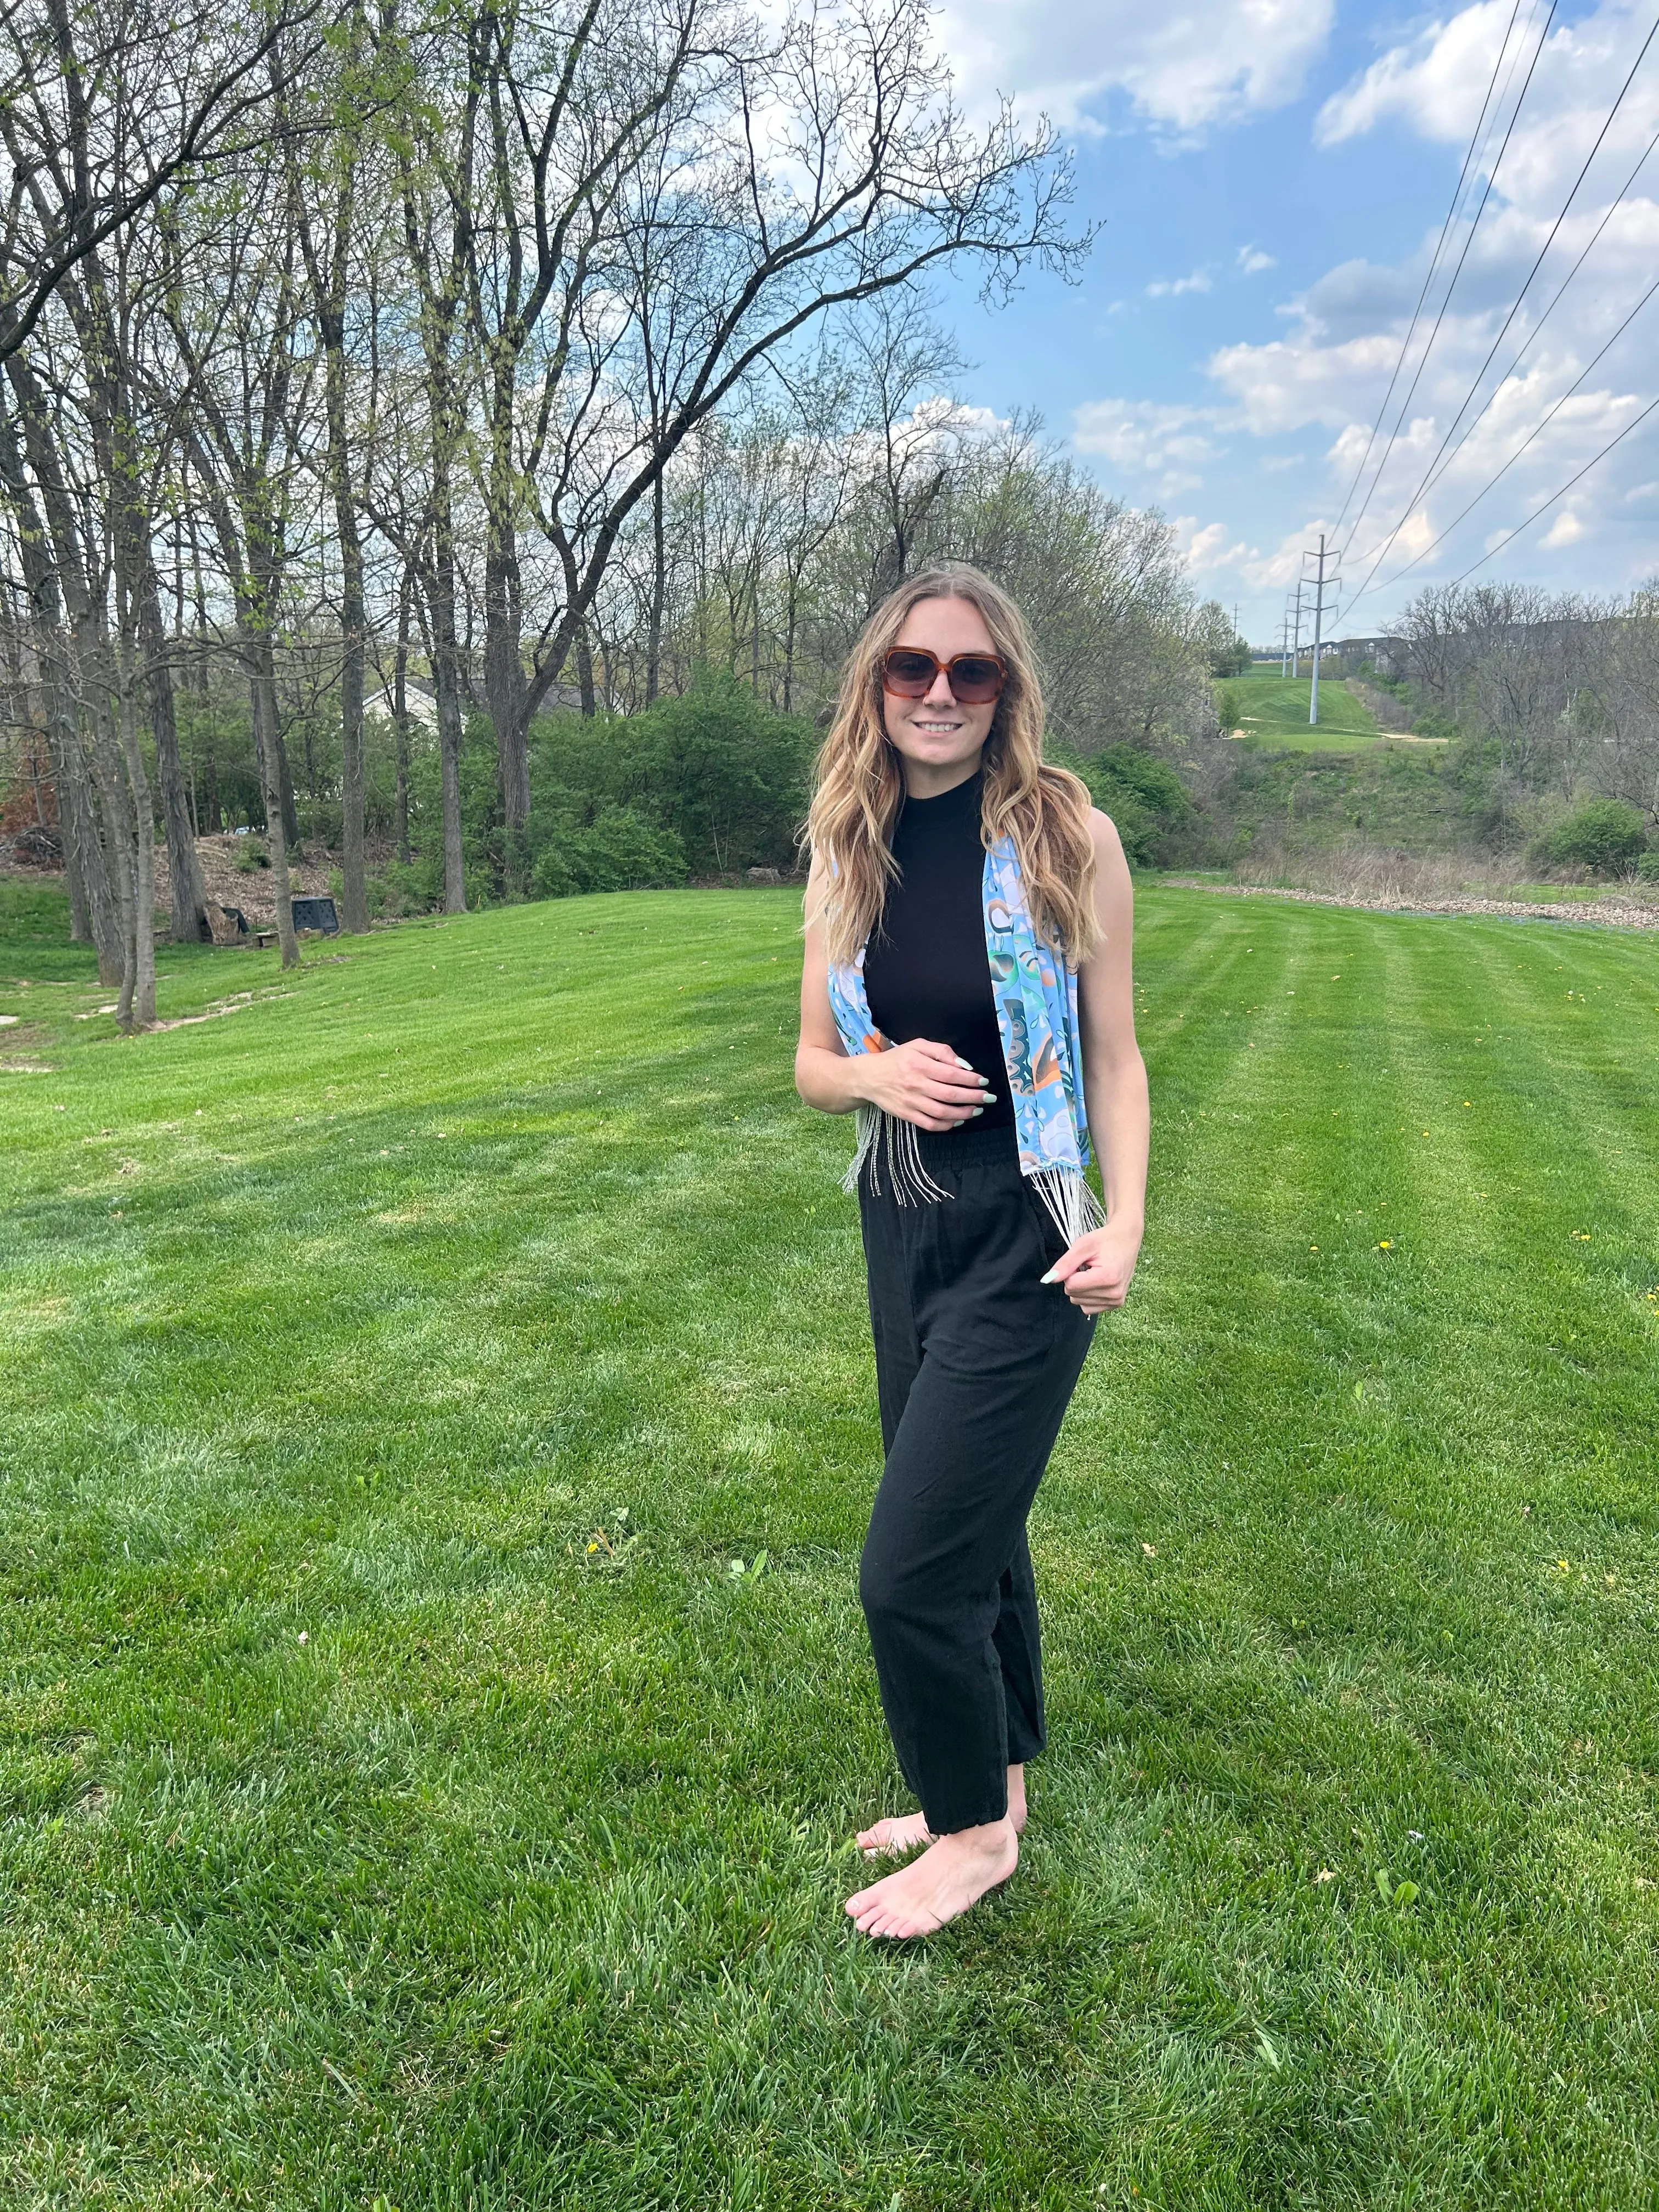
(924, 1083)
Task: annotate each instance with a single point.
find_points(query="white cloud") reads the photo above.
(1252, 261)
(1184, 69)
(1166, 288)
(1435, 82)
(1209, 549)
(1567, 529)
(1288, 383)
(1164, 448)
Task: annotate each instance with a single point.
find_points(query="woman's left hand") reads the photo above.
(1096, 1269)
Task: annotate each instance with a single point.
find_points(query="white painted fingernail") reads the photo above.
(1049, 1278)
(977, 1110)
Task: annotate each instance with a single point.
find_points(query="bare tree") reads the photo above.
(102, 105)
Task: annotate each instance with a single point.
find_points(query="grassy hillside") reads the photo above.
(1411, 797)
(409, 1803)
(1273, 712)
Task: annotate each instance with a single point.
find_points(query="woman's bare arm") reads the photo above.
(1098, 1269)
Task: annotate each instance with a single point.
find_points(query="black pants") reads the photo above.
(975, 1363)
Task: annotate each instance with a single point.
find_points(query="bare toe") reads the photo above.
(891, 1839)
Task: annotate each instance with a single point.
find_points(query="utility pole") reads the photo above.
(1319, 622)
(1295, 633)
(1285, 640)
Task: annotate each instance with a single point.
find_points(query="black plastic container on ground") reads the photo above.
(316, 913)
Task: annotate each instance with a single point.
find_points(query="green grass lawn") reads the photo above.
(1273, 712)
(390, 1822)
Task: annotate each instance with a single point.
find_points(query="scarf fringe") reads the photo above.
(887, 1144)
(1071, 1202)
(887, 1147)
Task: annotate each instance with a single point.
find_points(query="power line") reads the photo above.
(1614, 207)
(1536, 431)
(1445, 232)
(1428, 475)
(1491, 179)
(1634, 424)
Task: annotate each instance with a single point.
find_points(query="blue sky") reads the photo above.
(1272, 176)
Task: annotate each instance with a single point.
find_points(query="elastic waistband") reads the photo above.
(962, 1148)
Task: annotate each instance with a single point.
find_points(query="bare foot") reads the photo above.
(953, 1873)
(897, 1838)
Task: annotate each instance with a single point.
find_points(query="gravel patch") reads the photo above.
(1615, 912)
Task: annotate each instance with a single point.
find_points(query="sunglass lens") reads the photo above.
(910, 674)
(976, 681)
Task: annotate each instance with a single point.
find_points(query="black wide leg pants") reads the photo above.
(975, 1364)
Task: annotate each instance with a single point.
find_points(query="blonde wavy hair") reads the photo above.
(857, 785)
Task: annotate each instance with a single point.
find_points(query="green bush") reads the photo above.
(1604, 839)
(714, 767)
(415, 888)
(1228, 707)
(251, 856)
(1647, 868)
(1150, 805)
(618, 851)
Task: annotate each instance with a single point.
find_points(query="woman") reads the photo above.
(967, 987)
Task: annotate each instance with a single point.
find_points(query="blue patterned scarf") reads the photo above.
(1036, 998)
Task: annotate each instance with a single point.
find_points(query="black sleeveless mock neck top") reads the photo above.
(926, 970)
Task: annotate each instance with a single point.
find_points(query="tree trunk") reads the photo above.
(115, 804)
(268, 746)
(291, 813)
(100, 921)
(792, 624)
(505, 687)
(353, 864)
(585, 670)
(504, 684)
(330, 279)
(354, 623)
(136, 1010)
(400, 724)
(658, 595)
(189, 895)
(446, 682)
(94, 918)
(74, 880)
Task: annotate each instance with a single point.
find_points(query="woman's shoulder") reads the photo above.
(1104, 832)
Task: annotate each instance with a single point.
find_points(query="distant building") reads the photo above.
(420, 704)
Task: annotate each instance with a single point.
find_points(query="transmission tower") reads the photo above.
(1322, 583)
